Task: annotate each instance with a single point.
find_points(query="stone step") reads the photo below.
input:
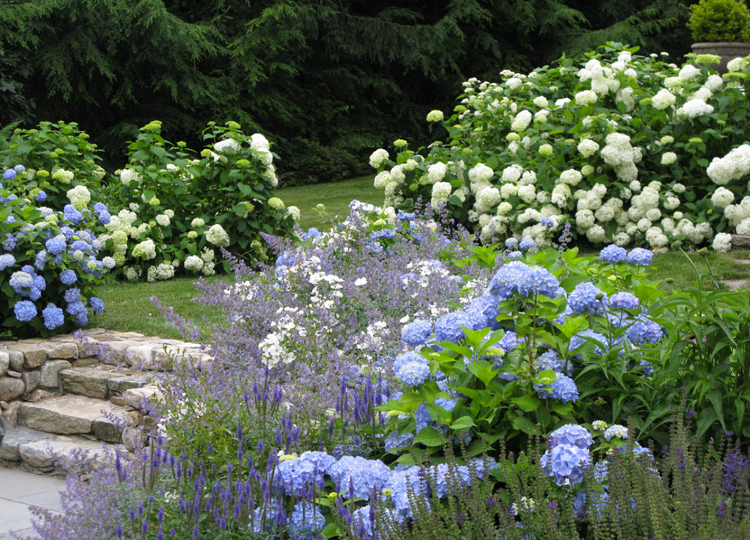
(65, 451)
(17, 436)
(73, 414)
(99, 381)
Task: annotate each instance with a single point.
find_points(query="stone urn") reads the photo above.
(727, 51)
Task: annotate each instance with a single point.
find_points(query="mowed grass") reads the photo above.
(335, 196)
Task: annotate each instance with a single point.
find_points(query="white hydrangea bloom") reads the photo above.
(668, 158)
(587, 147)
(227, 146)
(162, 220)
(694, 108)
(663, 99)
(618, 151)
(508, 190)
(217, 235)
(382, 179)
(688, 72)
(504, 208)
(571, 177)
(486, 199)
(733, 166)
(654, 214)
(441, 192)
(378, 157)
(527, 194)
(145, 250)
(294, 212)
(79, 197)
(129, 175)
(596, 234)
(586, 97)
(528, 178)
(436, 172)
(521, 121)
(604, 214)
(671, 203)
(585, 219)
(194, 263)
(722, 197)
(722, 242)
(512, 173)
(397, 174)
(541, 102)
(744, 227)
(656, 238)
(259, 142)
(480, 174)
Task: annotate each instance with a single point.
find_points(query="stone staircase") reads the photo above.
(81, 393)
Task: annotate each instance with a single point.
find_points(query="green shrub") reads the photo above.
(720, 20)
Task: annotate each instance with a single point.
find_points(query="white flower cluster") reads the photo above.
(160, 272)
(217, 235)
(79, 197)
(733, 166)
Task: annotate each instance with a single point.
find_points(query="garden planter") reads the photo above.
(727, 51)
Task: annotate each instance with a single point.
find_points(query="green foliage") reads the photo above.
(181, 207)
(602, 135)
(720, 20)
(57, 157)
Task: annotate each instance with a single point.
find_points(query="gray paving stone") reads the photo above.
(14, 438)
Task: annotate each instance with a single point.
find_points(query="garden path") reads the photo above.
(19, 491)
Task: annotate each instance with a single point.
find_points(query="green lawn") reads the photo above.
(335, 196)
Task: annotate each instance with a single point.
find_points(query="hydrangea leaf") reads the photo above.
(429, 436)
(528, 403)
(465, 422)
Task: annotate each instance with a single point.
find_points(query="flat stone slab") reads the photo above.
(136, 397)
(126, 382)
(735, 284)
(88, 381)
(57, 452)
(15, 437)
(64, 414)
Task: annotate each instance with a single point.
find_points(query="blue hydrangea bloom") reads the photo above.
(644, 330)
(54, 317)
(67, 232)
(100, 207)
(306, 521)
(72, 215)
(624, 300)
(56, 245)
(485, 309)
(511, 242)
(399, 483)
(82, 317)
(406, 358)
(304, 472)
(405, 216)
(508, 342)
(416, 334)
(538, 280)
(547, 222)
(80, 245)
(572, 435)
(19, 168)
(613, 254)
(20, 281)
(6, 261)
(40, 260)
(39, 282)
(526, 243)
(41, 196)
(365, 475)
(104, 218)
(563, 388)
(385, 234)
(413, 373)
(551, 360)
(71, 295)
(394, 440)
(10, 242)
(518, 277)
(25, 310)
(583, 299)
(68, 277)
(9, 174)
(447, 327)
(566, 464)
(96, 304)
(640, 256)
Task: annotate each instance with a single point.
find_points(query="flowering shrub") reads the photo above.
(49, 263)
(618, 144)
(177, 211)
(56, 158)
